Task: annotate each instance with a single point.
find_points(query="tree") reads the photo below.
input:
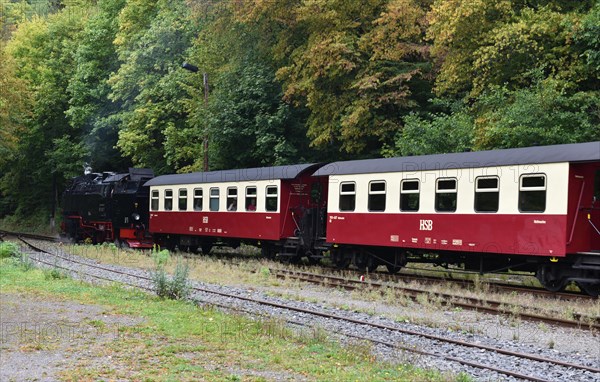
(437, 133)
(481, 44)
(90, 111)
(247, 121)
(357, 66)
(151, 44)
(42, 52)
(541, 115)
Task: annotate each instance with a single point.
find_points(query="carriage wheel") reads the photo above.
(551, 278)
(339, 259)
(363, 261)
(206, 247)
(592, 289)
(393, 269)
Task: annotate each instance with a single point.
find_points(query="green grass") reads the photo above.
(179, 341)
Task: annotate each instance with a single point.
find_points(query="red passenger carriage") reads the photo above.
(279, 208)
(530, 209)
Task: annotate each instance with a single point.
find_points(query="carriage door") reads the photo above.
(595, 213)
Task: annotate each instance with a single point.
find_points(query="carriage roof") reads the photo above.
(235, 175)
(576, 152)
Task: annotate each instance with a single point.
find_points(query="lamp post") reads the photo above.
(194, 69)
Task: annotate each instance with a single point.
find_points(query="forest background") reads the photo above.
(100, 82)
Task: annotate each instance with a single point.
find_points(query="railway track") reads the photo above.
(408, 277)
(498, 356)
(492, 285)
(450, 300)
(383, 281)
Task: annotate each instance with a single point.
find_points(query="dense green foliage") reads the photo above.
(100, 82)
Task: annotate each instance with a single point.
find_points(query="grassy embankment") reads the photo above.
(176, 340)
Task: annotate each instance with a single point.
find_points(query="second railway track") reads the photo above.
(451, 300)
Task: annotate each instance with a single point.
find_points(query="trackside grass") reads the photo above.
(180, 341)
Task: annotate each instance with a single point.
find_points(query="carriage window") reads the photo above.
(377, 196)
(445, 195)
(347, 196)
(409, 195)
(487, 194)
(532, 193)
(232, 199)
(168, 200)
(154, 202)
(214, 199)
(250, 198)
(182, 199)
(271, 198)
(197, 199)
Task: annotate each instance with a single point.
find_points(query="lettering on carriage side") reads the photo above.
(394, 238)
(425, 225)
(539, 222)
(205, 219)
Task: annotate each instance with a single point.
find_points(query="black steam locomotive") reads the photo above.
(108, 207)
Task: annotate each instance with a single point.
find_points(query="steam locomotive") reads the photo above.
(100, 207)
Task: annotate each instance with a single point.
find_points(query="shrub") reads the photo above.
(174, 288)
(8, 250)
(161, 257)
(55, 274)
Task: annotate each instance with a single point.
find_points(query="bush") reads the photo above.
(8, 250)
(174, 288)
(161, 257)
(55, 274)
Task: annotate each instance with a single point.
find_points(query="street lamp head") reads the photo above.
(189, 67)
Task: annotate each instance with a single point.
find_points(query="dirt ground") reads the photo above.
(41, 339)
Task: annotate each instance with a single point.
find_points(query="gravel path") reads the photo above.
(40, 339)
(309, 322)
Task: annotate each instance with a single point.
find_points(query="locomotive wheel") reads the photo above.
(551, 278)
(592, 289)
